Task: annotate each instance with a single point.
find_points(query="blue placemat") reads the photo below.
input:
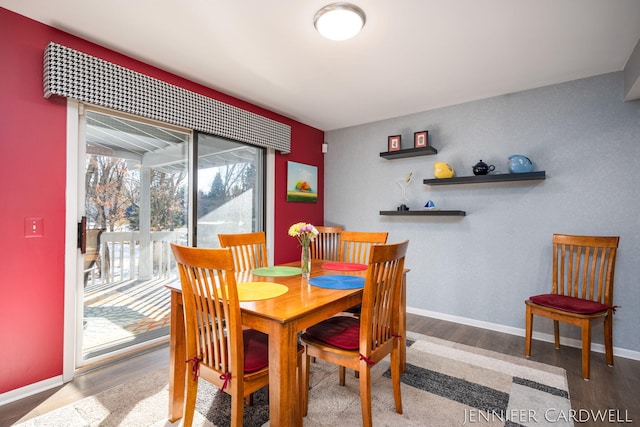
(337, 282)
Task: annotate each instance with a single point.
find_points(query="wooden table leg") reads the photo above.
(283, 390)
(177, 357)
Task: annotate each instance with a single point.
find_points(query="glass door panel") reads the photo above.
(136, 203)
(230, 188)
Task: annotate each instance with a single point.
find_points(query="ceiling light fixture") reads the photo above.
(339, 21)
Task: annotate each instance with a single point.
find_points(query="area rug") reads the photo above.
(446, 384)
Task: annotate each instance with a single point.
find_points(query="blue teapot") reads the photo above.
(520, 164)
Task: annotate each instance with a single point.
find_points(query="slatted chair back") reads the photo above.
(249, 249)
(583, 267)
(379, 317)
(326, 245)
(219, 350)
(355, 246)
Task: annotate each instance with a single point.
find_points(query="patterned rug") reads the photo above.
(446, 384)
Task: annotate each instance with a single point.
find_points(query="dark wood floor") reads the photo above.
(616, 388)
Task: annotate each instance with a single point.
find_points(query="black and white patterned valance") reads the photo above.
(76, 75)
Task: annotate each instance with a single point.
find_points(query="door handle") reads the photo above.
(82, 235)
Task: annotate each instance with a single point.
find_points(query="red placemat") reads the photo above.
(344, 266)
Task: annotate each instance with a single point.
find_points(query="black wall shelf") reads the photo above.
(423, 213)
(529, 176)
(409, 152)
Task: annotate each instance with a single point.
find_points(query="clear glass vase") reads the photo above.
(305, 262)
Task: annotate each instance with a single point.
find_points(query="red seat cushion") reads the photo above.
(566, 303)
(339, 331)
(256, 350)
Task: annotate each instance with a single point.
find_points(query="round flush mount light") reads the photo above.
(339, 21)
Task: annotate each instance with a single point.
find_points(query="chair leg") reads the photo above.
(305, 384)
(586, 349)
(365, 394)
(556, 333)
(529, 330)
(341, 374)
(190, 402)
(608, 338)
(300, 409)
(396, 368)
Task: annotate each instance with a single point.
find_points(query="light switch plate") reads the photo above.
(33, 227)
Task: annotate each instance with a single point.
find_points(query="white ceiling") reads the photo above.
(412, 55)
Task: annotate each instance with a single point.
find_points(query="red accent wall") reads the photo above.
(32, 184)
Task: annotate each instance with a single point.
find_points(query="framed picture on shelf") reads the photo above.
(421, 139)
(394, 143)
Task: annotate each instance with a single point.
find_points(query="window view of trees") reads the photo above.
(113, 195)
(168, 201)
(106, 197)
(229, 182)
(227, 198)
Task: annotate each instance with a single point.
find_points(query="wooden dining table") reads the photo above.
(282, 318)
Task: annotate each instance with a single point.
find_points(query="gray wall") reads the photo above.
(479, 269)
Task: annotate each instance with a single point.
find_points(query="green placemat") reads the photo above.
(276, 271)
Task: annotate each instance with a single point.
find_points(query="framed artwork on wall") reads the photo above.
(302, 183)
(421, 139)
(394, 143)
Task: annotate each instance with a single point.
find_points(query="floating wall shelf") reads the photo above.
(529, 176)
(409, 152)
(423, 213)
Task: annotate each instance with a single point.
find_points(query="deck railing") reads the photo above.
(120, 253)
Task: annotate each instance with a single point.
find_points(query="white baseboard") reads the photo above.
(30, 390)
(570, 342)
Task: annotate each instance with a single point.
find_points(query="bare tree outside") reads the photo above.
(106, 195)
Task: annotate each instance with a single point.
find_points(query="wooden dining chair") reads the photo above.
(219, 349)
(355, 246)
(581, 293)
(249, 249)
(326, 245)
(360, 343)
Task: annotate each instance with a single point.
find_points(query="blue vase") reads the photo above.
(520, 164)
